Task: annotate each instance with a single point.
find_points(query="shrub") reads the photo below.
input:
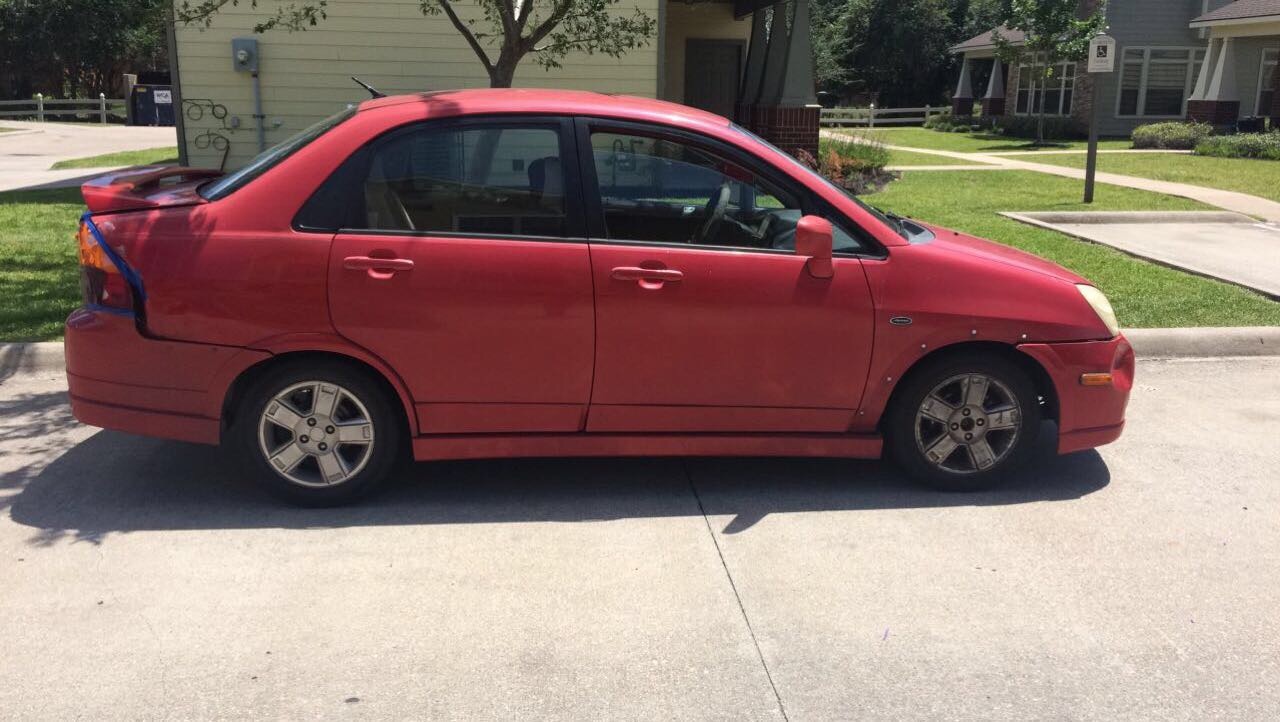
(947, 123)
(941, 120)
(1171, 136)
(840, 159)
(1024, 126)
(1245, 145)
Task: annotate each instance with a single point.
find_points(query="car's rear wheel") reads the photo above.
(964, 422)
(318, 434)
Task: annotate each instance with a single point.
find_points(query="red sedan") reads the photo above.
(492, 273)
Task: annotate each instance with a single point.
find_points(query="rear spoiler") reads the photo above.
(147, 187)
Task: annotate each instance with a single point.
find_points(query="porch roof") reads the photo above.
(986, 41)
(1240, 11)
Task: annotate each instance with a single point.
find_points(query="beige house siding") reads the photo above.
(699, 21)
(305, 76)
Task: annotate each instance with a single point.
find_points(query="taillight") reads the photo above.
(105, 279)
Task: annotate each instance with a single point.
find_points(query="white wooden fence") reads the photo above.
(42, 108)
(872, 116)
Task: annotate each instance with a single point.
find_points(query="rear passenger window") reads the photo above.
(500, 180)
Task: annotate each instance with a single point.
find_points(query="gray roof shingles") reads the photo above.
(986, 40)
(1241, 10)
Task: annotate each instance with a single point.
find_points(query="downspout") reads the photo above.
(175, 81)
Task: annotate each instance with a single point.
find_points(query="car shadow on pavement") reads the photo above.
(113, 483)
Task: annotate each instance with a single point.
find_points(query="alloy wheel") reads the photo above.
(968, 424)
(316, 434)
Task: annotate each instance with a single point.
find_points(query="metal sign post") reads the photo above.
(1102, 60)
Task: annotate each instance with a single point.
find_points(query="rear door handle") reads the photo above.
(636, 273)
(379, 269)
(368, 263)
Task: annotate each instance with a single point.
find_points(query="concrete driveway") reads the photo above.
(144, 579)
(30, 148)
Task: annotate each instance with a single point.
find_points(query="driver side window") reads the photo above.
(662, 190)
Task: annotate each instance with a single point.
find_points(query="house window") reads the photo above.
(1054, 94)
(1156, 82)
(1267, 81)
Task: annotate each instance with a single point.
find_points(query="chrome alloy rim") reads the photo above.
(968, 423)
(316, 433)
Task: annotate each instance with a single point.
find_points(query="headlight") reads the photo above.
(1101, 306)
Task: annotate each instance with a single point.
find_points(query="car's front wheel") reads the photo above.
(964, 422)
(318, 434)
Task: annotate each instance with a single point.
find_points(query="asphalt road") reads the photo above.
(143, 579)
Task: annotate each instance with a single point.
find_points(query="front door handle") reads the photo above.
(648, 277)
(378, 268)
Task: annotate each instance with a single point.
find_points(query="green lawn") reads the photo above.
(1246, 175)
(150, 156)
(906, 157)
(1144, 294)
(980, 142)
(39, 268)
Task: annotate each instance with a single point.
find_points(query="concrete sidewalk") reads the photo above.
(27, 154)
(1225, 246)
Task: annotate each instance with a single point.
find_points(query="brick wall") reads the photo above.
(790, 129)
(1220, 113)
(1082, 97)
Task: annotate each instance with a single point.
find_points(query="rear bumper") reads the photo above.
(119, 379)
(1088, 416)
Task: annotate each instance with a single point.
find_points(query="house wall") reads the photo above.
(1145, 23)
(305, 76)
(705, 21)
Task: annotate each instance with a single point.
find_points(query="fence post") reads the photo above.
(102, 107)
(927, 110)
(871, 120)
(40, 107)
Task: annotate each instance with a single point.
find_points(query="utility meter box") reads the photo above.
(244, 54)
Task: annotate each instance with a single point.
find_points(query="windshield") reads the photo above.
(889, 219)
(267, 159)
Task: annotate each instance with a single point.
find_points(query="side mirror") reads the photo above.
(813, 239)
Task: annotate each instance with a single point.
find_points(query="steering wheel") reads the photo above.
(716, 206)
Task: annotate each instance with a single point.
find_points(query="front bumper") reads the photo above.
(1088, 416)
(119, 379)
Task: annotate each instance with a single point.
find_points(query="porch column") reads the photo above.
(754, 71)
(993, 101)
(797, 83)
(1220, 105)
(962, 101)
(775, 60)
(1274, 110)
(1206, 71)
(785, 112)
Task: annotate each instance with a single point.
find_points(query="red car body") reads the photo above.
(502, 346)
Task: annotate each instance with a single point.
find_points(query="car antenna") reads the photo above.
(372, 90)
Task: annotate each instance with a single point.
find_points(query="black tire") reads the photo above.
(908, 433)
(361, 392)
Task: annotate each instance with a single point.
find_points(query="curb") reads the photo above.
(1148, 343)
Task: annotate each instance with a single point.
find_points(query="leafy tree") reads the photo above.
(979, 16)
(504, 34)
(895, 50)
(1054, 34)
(77, 47)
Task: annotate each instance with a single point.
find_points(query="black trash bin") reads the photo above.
(152, 105)
(1251, 125)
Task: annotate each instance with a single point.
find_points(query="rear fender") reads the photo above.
(338, 346)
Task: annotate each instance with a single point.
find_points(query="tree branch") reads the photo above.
(466, 33)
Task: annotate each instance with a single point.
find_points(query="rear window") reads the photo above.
(269, 158)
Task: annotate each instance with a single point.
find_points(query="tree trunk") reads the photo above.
(503, 72)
